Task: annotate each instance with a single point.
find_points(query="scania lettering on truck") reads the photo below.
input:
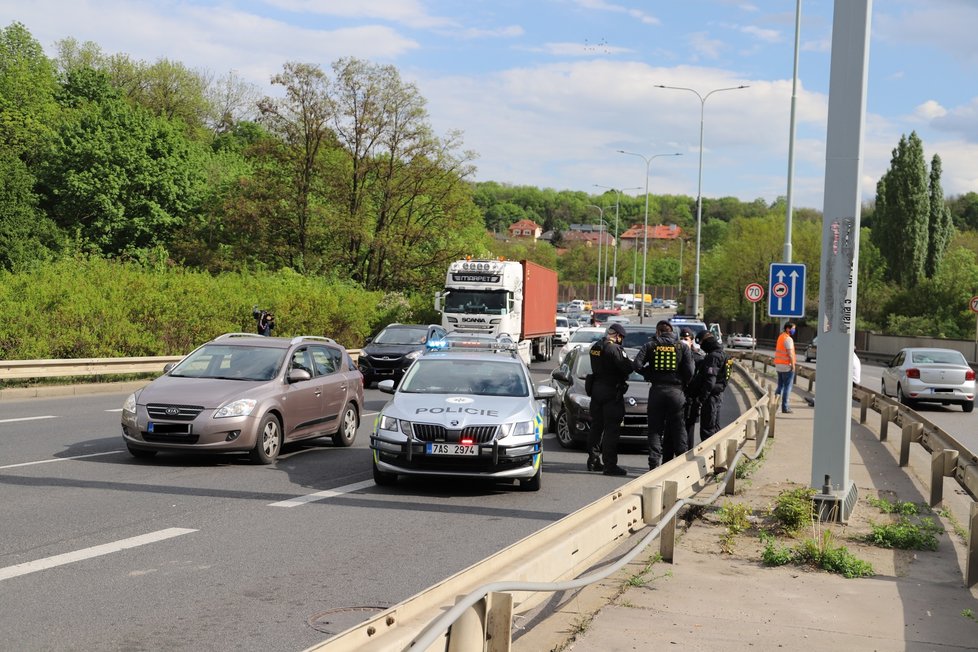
(518, 298)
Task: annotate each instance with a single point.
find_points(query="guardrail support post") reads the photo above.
(750, 428)
(864, 400)
(772, 415)
(942, 464)
(651, 504)
(971, 572)
(887, 414)
(499, 626)
(469, 631)
(730, 487)
(811, 383)
(911, 432)
(667, 539)
(719, 463)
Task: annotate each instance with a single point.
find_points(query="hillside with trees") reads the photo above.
(190, 182)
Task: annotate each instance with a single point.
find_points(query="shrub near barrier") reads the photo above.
(94, 308)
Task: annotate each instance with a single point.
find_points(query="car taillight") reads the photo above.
(969, 374)
(913, 373)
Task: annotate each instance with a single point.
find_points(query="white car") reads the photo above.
(740, 340)
(584, 336)
(930, 376)
(563, 331)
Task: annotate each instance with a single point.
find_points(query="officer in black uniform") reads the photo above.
(668, 366)
(692, 404)
(711, 381)
(610, 368)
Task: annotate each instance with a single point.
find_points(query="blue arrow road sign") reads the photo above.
(786, 290)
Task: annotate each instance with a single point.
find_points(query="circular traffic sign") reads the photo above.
(974, 304)
(780, 290)
(754, 292)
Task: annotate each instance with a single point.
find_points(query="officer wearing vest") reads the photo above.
(668, 366)
(692, 405)
(711, 381)
(610, 368)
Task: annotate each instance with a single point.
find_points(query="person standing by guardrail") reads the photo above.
(711, 382)
(668, 366)
(784, 364)
(610, 368)
(691, 406)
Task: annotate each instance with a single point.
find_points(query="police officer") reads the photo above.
(668, 366)
(711, 381)
(692, 404)
(610, 368)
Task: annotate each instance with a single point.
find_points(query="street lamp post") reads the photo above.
(682, 245)
(645, 230)
(600, 227)
(699, 184)
(614, 266)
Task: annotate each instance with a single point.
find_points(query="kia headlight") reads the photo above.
(129, 407)
(517, 428)
(241, 408)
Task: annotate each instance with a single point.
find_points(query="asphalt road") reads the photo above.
(100, 551)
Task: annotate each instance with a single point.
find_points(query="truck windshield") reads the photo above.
(484, 303)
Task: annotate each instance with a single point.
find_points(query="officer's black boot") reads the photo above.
(594, 461)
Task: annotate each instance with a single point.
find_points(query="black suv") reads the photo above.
(389, 353)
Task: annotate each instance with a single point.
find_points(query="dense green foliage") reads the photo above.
(81, 308)
(339, 181)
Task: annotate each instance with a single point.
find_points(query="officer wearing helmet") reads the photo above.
(668, 366)
(691, 404)
(610, 368)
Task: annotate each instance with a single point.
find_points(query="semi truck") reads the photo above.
(496, 297)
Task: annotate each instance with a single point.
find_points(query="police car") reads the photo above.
(463, 409)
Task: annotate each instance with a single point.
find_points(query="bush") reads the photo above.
(96, 308)
(794, 508)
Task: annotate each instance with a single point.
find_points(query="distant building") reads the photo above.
(634, 237)
(525, 230)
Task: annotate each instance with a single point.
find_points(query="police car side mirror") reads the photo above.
(168, 366)
(386, 386)
(561, 375)
(544, 391)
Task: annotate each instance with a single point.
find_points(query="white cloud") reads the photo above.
(603, 5)
(406, 12)
(705, 46)
(930, 110)
(766, 35)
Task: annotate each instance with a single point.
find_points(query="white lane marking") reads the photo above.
(49, 416)
(322, 495)
(88, 553)
(115, 410)
(58, 459)
(369, 414)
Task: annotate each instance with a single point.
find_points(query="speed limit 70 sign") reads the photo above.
(754, 292)
(974, 304)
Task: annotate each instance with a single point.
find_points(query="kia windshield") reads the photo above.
(223, 362)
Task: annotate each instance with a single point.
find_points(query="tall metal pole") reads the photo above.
(614, 266)
(645, 229)
(601, 218)
(699, 185)
(791, 137)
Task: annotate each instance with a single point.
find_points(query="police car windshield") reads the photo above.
(583, 367)
(479, 377)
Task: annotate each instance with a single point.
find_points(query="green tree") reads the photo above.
(902, 213)
(124, 180)
(940, 224)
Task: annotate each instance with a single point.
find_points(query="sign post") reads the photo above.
(754, 293)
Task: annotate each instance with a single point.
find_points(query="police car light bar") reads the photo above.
(501, 344)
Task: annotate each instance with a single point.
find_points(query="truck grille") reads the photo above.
(438, 432)
(173, 412)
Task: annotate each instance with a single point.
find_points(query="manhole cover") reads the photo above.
(337, 620)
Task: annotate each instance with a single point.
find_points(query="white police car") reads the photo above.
(467, 409)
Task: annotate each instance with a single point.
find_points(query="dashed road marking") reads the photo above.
(47, 416)
(58, 459)
(322, 495)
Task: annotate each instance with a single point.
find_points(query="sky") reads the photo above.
(546, 92)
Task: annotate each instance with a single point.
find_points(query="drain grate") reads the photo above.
(338, 620)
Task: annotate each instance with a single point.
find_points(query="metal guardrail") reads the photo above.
(28, 369)
(554, 558)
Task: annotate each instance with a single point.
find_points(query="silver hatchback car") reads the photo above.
(931, 376)
(244, 392)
